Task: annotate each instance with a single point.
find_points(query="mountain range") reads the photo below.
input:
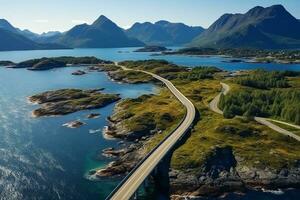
(264, 28)
(12, 38)
(164, 33)
(101, 34)
(260, 28)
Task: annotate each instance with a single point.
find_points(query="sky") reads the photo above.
(51, 15)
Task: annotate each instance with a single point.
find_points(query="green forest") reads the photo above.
(267, 95)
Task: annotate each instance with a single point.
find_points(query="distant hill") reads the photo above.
(101, 34)
(10, 41)
(164, 33)
(48, 37)
(4, 24)
(266, 28)
(12, 38)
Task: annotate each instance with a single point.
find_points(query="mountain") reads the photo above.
(48, 37)
(101, 34)
(12, 38)
(265, 28)
(10, 41)
(4, 24)
(164, 33)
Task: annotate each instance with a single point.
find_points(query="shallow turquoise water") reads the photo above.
(40, 159)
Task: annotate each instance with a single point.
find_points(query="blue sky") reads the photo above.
(46, 15)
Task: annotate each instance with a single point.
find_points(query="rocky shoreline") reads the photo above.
(220, 173)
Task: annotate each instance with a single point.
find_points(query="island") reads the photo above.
(78, 73)
(152, 49)
(248, 55)
(74, 124)
(6, 63)
(56, 62)
(65, 101)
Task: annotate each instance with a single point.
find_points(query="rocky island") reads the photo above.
(78, 73)
(6, 63)
(65, 101)
(56, 62)
(152, 49)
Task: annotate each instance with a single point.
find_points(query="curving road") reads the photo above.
(128, 188)
(213, 105)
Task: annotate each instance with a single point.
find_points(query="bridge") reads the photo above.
(131, 183)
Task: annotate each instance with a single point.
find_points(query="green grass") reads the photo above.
(148, 112)
(132, 76)
(253, 144)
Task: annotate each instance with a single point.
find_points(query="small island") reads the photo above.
(6, 63)
(152, 49)
(65, 101)
(74, 124)
(55, 62)
(78, 73)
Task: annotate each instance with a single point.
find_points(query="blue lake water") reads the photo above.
(119, 54)
(40, 159)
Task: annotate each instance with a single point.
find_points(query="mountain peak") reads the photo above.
(162, 22)
(272, 11)
(279, 10)
(4, 24)
(258, 28)
(102, 20)
(278, 7)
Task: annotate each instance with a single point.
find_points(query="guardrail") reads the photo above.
(145, 158)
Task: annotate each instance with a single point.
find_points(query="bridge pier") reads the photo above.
(161, 178)
(146, 183)
(135, 196)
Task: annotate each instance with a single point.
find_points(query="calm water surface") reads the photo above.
(119, 54)
(40, 159)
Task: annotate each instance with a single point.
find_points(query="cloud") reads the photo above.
(78, 21)
(41, 20)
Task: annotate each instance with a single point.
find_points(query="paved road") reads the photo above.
(285, 123)
(266, 122)
(213, 105)
(128, 189)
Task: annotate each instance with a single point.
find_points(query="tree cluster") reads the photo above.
(283, 104)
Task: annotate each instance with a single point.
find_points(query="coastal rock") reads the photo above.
(93, 116)
(111, 152)
(128, 159)
(216, 176)
(222, 172)
(74, 124)
(78, 73)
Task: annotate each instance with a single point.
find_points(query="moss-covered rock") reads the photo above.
(65, 101)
